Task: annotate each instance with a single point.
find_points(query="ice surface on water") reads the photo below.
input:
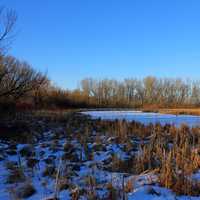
(146, 118)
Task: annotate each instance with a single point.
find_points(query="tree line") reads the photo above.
(149, 91)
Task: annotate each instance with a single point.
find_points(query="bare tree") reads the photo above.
(18, 78)
(8, 18)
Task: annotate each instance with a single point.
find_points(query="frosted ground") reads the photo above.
(146, 118)
(57, 149)
(145, 187)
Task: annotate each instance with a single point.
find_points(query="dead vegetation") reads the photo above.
(129, 148)
(174, 111)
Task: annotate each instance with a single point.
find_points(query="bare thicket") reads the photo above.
(18, 78)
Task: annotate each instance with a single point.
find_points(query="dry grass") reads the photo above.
(26, 190)
(16, 174)
(174, 111)
(172, 152)
(113, 194)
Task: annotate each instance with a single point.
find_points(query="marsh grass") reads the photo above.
(172, 152)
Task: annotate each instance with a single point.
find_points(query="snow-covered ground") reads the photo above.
(144, 186)
(65, 165)
(146, 118)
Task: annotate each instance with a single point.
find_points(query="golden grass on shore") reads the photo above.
(175, 111)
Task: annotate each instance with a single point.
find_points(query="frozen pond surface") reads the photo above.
(146, 118)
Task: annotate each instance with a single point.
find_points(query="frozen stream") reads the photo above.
(146, 118)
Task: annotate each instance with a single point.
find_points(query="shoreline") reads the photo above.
(173, 111)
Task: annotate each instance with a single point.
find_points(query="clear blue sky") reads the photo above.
(74, 39)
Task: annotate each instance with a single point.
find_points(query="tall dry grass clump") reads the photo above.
(180, 162)
(173, 151)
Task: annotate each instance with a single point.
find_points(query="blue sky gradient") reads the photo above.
(74, 39)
